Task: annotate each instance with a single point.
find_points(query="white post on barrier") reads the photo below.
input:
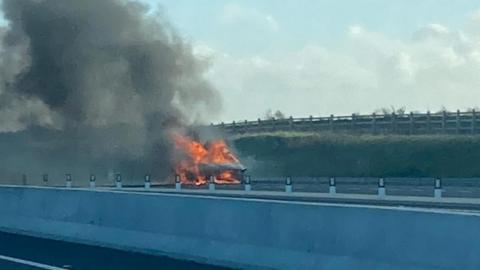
(178, 183)
(68, 180)
(147, 181)
(381, 188)
(211, 183)
(92, 181)
(248, 183)
(437, 191)
(118, 180)
(332, 185)
(288, 184)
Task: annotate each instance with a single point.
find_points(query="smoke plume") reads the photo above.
(94, 86)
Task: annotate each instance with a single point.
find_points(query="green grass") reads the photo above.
(310, 154)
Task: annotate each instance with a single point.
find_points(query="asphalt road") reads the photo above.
(19, 252)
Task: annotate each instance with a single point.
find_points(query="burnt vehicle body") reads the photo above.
(225, 171)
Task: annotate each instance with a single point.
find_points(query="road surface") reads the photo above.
(19, 252)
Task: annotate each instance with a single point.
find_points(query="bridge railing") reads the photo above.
(404, 123)
(381, 186)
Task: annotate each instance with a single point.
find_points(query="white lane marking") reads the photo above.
(465, 191)
(29, 263)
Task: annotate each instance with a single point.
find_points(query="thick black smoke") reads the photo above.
(94, 86)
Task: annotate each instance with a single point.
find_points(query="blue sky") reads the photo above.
(303, 22)
(314, 57)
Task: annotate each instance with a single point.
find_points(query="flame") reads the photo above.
(226, 177)
(196, 154)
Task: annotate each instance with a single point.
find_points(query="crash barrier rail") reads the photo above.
(443, 122)
(290, 184)
(46, 180)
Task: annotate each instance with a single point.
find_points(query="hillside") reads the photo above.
(309, 154)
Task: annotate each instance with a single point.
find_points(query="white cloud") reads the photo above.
(356, 30)
(234, 13)
(436, 67)
(434, 30)
(273, 24)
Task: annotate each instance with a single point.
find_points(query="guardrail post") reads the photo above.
(68, 180)
(374, 123)
(412, 123)
(248, 183)
(93, 178)
(381, 187)
(178, 183)
(118, 180)
(444, 121)
(330, 122)
(211, 183)
(429, 128)
(394, 122)
(473, 121)
(147, 181)
(24, 179)
(457, 122)
(437, 192)
(45, 179)
(288, 184)
(332, 185)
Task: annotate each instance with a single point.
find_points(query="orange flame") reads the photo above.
(196, 154)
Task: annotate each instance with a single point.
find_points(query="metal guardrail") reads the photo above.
(405, 123)
(382, 186)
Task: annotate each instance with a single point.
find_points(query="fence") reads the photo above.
(412, 123)
(308, 186)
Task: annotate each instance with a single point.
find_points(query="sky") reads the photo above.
(322, 57)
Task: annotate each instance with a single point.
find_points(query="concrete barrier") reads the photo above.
(248, 233)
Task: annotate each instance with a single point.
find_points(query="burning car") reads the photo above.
(197, 161)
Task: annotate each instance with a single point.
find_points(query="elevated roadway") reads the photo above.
(227, 229)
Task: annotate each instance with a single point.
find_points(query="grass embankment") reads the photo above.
(309, 154)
